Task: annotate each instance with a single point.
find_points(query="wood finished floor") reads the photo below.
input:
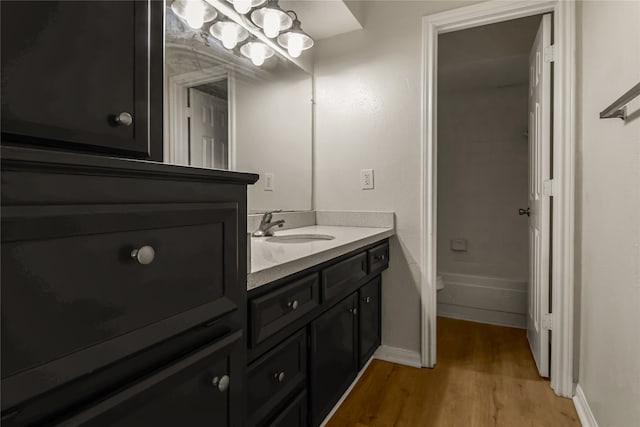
(485, 376)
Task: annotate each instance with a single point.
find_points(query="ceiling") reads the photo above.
(489, 56)
(322, 19)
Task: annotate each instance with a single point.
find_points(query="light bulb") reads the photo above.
(194, 14)
(229, 36)
(257, 56)
(242, 6)
(271, 23)
(295, 45)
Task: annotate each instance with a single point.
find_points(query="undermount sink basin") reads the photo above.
(299, 238)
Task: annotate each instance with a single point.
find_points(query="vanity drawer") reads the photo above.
(343, 278)
(74, 299)
(275, 376)
(294, 415)
(378, 258)
(276, 310)
(200, 390)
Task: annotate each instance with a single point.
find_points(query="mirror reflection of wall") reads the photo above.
(223, 112)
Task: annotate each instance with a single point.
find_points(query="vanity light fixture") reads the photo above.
(295, 40)
(271, 18)
(229, 33)
(195, 12)
(256, 51)
(244, 6)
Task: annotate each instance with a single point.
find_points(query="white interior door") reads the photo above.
(208, 130)
(539, 199)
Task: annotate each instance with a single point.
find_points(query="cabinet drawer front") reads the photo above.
(273, 377)
(378, 258)
(185, 393)
(369, 303)
(343, 277)
(274, 311)
(294, 415)
(72, 267)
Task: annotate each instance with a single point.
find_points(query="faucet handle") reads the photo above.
(267, 215)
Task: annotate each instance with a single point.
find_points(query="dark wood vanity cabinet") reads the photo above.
(123, 291)
(333, 311)
(83, 75)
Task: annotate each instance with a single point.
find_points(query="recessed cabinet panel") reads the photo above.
(343, 277)
(83, 286)
(201, 390)
(369, 318)
(334, 356)
(294, 415)
(76, 74)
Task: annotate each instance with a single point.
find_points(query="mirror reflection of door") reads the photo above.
(208, 125)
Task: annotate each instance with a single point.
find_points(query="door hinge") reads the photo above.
(549, 53)
(547, 321)
(549, 187)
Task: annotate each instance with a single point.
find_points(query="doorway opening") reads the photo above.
(557, 187)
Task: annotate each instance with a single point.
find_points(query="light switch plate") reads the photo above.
(366, 179)
(268, 182)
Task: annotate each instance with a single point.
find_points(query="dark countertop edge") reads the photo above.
(88, 164)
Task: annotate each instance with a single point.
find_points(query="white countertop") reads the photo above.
(271, 261)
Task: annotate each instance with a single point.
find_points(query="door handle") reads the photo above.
(524, 212)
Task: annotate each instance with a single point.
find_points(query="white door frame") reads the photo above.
(176, 145)
(563, 169)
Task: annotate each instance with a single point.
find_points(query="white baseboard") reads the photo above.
(399, 356)
(582, 408)
(346, 393)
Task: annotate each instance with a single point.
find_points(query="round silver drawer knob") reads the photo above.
(221, 383)
(353, 311)
(279, 376)
(367, 300)
(293, 305)
(124, 119)
(144, 255)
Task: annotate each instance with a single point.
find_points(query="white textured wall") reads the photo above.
(273, 135)
(368, 116)
(482, 181)
(609, 212)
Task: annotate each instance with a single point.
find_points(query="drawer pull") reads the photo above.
(279, 376)
(124, 119)
(353, 311)
(144, 255)
(366, 299)
(293, 305)
(222, 384)
(379, 257)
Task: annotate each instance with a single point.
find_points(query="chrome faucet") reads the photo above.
(265, 229)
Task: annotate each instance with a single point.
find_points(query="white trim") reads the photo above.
(582, 408)
(564, 151)
(398, 355)
(346, 393)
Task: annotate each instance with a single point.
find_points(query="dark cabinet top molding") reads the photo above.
(86, 164)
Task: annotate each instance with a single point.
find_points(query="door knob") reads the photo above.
(222, 383)
(367, 299)
(524, 212)
(293, 305)
(124, 119)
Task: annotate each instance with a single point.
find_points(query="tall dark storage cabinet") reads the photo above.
(123, 279)
(83, 75)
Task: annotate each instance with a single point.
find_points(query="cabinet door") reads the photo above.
(202, 389)
(369, 303)
(334, 356)
(70, 68)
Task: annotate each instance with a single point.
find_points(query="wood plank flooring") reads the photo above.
(485, 376)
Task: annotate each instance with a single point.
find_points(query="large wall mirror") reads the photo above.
(224, 112)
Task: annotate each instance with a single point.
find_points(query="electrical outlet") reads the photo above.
(268, 182)
(366, 179)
